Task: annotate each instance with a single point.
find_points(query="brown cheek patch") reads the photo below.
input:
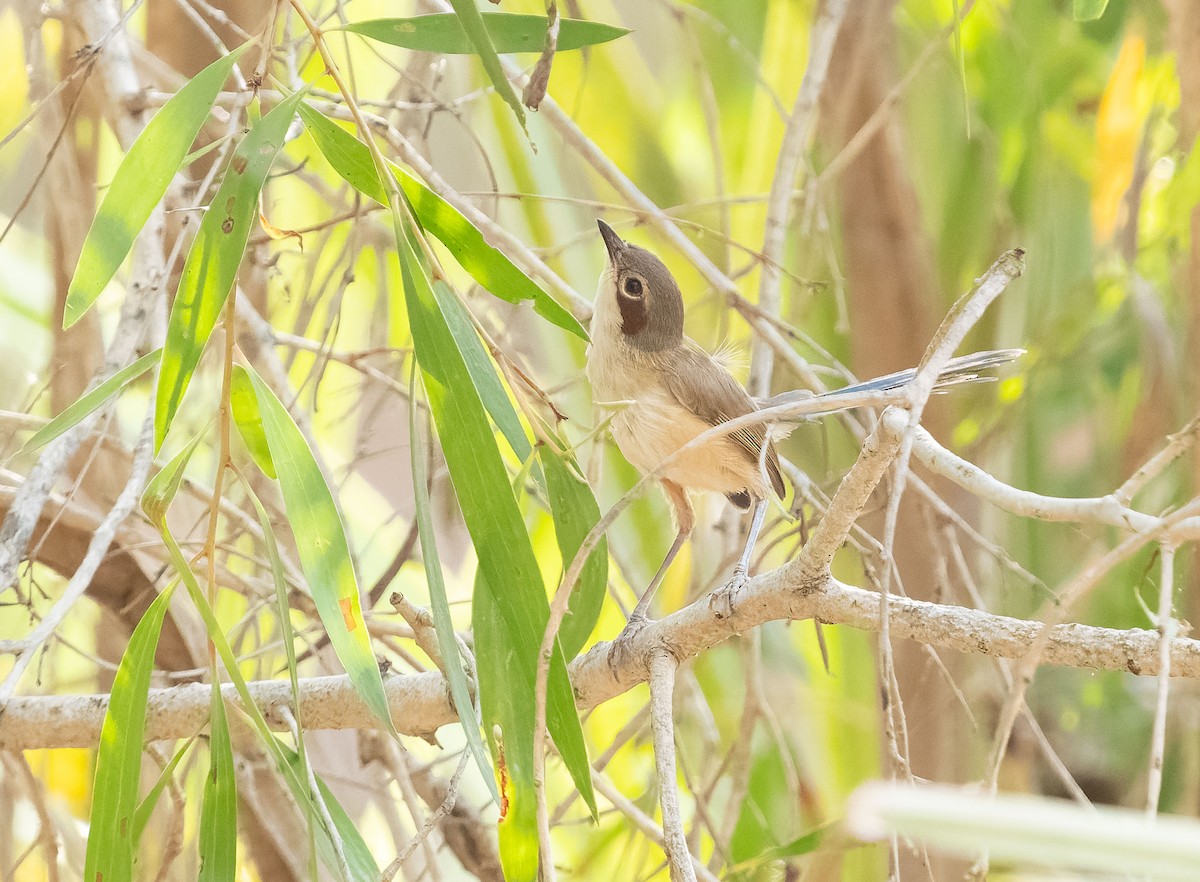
(633, 314)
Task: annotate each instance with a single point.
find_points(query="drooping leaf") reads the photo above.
(483, 374)
(324, 552)
(150, 800)
(161, 489)
(218, 810)
(490, 511)
(288, 637)
(510, 32)
(109, 855)
(90, 401)
(575, 512)
(243, 403)
(477, 34)
(361, 865)
(351, 159)
(140, 182)
(213, 260)
(439, 603)
(507, 707)
(1089, 10)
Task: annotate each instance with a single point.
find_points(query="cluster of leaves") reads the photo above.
(468, 403)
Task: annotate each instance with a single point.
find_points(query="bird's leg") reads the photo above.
(685, 517)
(721, 600)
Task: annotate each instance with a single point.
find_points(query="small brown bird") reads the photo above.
(666, 390)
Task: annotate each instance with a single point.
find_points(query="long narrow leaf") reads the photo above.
(510, 32)
(90, 401)
(509, 709)
(575, 513)
(140, 182)
(146, 807)
(109, 856)
(477, 33)
(243, 404)
(439, 603)
(490, 511)
(362, 865)
(283, 610)
(351, 159)
(218, 811)
(324, 552)
(214, 258)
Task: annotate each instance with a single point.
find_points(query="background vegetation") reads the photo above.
(939, 135)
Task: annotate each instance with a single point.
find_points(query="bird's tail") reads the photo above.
(958, 371)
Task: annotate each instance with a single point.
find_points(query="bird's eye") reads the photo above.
(633, 287)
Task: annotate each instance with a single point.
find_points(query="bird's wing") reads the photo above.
(702, 385)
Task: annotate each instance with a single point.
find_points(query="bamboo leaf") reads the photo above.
(140, 182)
(443, 33)
(477, 34)
(490, 510)
(90, 401)
(214, 258)
(439, 603)
(161, 489)
(507, 711)
(362, 865)
(575, 513)
(244, 405)
(109, 855)
(351, 159)
(324, 552)
(218, 811)
(146, 806)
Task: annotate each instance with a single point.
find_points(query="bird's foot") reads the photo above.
(622, 644)
(722, 600)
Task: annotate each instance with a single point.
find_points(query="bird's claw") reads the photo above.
(622, 643)
(721, 601)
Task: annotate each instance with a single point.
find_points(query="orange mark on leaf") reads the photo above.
(239, 164)
(502, 772)
(347, 605)
(227, 225)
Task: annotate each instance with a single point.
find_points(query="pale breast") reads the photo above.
(657, 426)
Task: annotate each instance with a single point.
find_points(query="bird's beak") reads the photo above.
(612, 241)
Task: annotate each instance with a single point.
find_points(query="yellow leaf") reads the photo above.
(1118, 131)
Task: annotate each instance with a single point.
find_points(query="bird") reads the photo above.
(664, 389)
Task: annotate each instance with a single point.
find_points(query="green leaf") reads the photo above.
(351, 159)
(354, 847)
(157, 496)
(439, 603)
(244, 405)
(324, 552)
(146, 807)
(509, 709)
(477, 34)
(575, 513)
(140, 182)
(109, 856)
(218, 811)
(288, 637)
(285, 760)
(1051, 834)
(1089, 10)
(490, 511)
(443, 32)
(483, 374)
(214, 258)
(91, 401)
